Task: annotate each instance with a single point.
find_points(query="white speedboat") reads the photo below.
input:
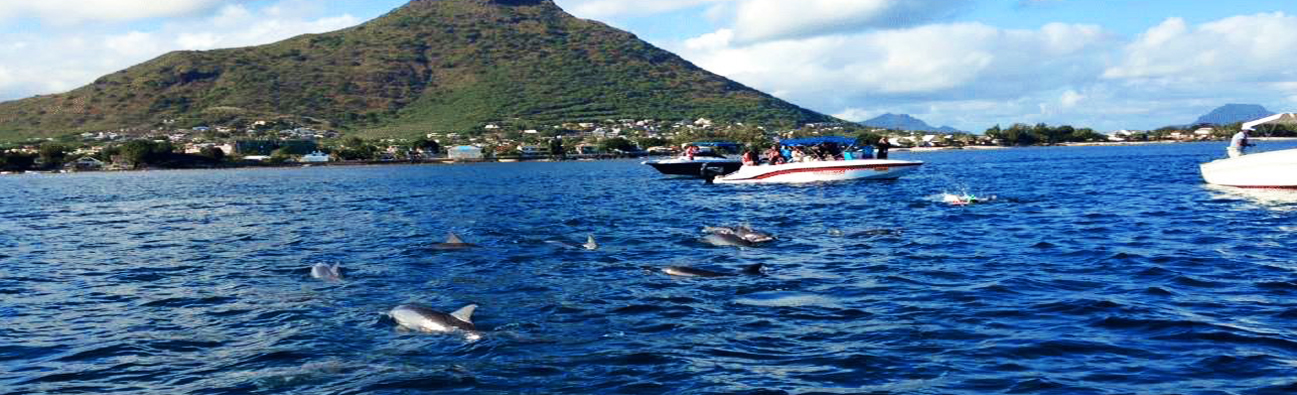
(1274, 169)
(836, 170)
(856, 166)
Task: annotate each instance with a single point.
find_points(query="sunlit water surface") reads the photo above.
(1095, 270)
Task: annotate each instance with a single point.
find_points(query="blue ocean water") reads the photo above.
(1096, 270)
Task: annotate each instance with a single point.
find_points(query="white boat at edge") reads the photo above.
(1273, 169)
(820, 171)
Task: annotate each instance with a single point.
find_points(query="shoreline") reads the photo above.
(444, 162)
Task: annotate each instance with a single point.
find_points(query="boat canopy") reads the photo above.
(819, 140)
(1277, 119)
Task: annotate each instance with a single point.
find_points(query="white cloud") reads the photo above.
(65, 12)
(1070, 99)
(1242, 49)
(717, 40)
(1240, 59)
(858, 114)
(973, 75)
(942, 62)
(86, 54)
(134, 44)
(6, 78)
(762, 20)
(198, 41)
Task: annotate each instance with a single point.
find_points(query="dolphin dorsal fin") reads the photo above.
(452, 238)
(465, 314)
(754, 269)
(590, 244)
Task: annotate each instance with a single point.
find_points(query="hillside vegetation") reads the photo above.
(431, 65)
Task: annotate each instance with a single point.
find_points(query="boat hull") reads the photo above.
(1266, 170)
(694, 168)
(842, 170)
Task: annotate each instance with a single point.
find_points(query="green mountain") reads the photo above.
(431, 65)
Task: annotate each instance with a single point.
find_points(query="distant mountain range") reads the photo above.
(430, 65)
(1231, 113)
(906, 122)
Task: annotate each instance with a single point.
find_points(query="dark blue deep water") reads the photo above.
(1097, 270)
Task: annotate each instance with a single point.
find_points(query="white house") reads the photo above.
(529, 150)
(315, 157)
(86, 163)
(1121, 135)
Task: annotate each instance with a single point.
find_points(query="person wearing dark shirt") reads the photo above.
(832, 151)
(750, 158)
(882, 145)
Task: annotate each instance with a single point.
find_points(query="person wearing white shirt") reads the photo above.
(1238, 145)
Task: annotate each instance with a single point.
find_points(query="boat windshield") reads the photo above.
(708, 153)
(718, 148)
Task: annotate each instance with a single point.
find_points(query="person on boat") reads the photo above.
(1238, 145)
(690, 151)
(798, 155)
(750, 158)
(866, 152)
(774, 157)
(882, 145)
(815, 152)
(832, 151)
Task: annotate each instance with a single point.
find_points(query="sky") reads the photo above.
(970, 64)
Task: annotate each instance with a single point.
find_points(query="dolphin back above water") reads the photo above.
(726, 240)
(685, 271)
(742, 236)
(590, 244)
(423, 319)
(453, 242)
(753, 235)
(326, 272)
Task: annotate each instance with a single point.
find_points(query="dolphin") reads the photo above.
(753, 235)
(453, 242)
(744, 232)
(685, 271)
(726, 240)
(326, 272)
(419, 318)
(879, 232)
(718, 229)
(590, 244)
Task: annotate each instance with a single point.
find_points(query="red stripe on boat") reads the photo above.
(825, 169)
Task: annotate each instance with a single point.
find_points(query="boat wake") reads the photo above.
(961, 198)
